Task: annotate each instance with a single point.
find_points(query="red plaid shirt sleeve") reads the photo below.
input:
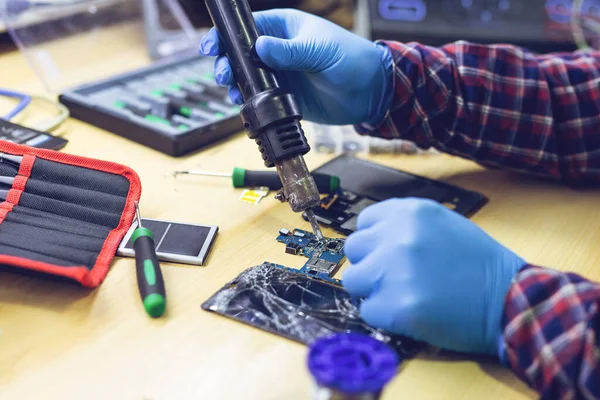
(504, 107)
(500, 106)
(551, 323)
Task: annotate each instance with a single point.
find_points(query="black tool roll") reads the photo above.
(61, 214)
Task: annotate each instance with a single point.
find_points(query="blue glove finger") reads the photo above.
(210, 45)
(373, 214)
(396, 317)
(380, 211)
(360, 244)
(281, 23)
(291, 55)
(375, 311)
(223, 72)
(362, 278)
(235, 95)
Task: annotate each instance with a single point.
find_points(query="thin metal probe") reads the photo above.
(310, 214)
(203, 173)
(137, 214)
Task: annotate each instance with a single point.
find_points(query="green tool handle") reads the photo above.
(243, 178)
(149, 275)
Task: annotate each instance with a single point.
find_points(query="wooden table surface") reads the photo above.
(60, 341)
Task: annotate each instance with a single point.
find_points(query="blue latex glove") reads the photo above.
(430, 274)
(336, 76)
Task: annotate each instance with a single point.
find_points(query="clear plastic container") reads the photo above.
(344, 140)
(71, 42)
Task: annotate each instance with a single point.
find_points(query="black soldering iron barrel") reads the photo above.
(270, 115)
(238, 33)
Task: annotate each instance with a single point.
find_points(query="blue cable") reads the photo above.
(24, 102)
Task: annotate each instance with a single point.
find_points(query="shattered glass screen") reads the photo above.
(297, 307)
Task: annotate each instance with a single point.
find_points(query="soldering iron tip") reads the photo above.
(312, 219)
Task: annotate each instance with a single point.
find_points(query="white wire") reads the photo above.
(49, 124)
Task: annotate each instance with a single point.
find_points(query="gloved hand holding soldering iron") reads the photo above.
(425, 271)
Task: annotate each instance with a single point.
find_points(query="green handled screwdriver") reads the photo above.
(243, 178)
(149, 275)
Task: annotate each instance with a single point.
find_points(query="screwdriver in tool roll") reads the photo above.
(10, 158)
(149, 275)
(243, 178)
(7, 180)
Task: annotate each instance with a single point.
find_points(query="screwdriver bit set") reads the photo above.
(174, 107)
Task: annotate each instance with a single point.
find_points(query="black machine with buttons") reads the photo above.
(539, 25)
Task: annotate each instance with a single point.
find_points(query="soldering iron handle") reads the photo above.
(256, 179)
(237, 31)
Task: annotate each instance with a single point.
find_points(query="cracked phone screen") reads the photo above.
(297, 307)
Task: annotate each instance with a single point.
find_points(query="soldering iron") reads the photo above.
(270, 115)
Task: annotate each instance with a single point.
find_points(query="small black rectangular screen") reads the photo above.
(364, 183)
(381, 183)
(181, 239)
(186, 240)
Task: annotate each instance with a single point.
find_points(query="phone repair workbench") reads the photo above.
(62, 341)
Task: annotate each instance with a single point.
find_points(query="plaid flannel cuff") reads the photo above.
(546, 318)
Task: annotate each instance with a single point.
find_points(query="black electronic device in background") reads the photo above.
(174, 107)
(539, 25)
(365, 183)
(29, 137)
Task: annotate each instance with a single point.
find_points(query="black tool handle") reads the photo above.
(235, 24)
(270, 114)
(262, 178)
(325, 183)
(149, 275)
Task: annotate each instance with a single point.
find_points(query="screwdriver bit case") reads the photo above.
(174, 107)
(91, 53)
(64, 215)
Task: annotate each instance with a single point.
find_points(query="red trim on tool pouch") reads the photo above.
(26, 164)
(14, 194)
(20, 182)
(5, 208)
(21, 179)
(76, 273)
(94, 277)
